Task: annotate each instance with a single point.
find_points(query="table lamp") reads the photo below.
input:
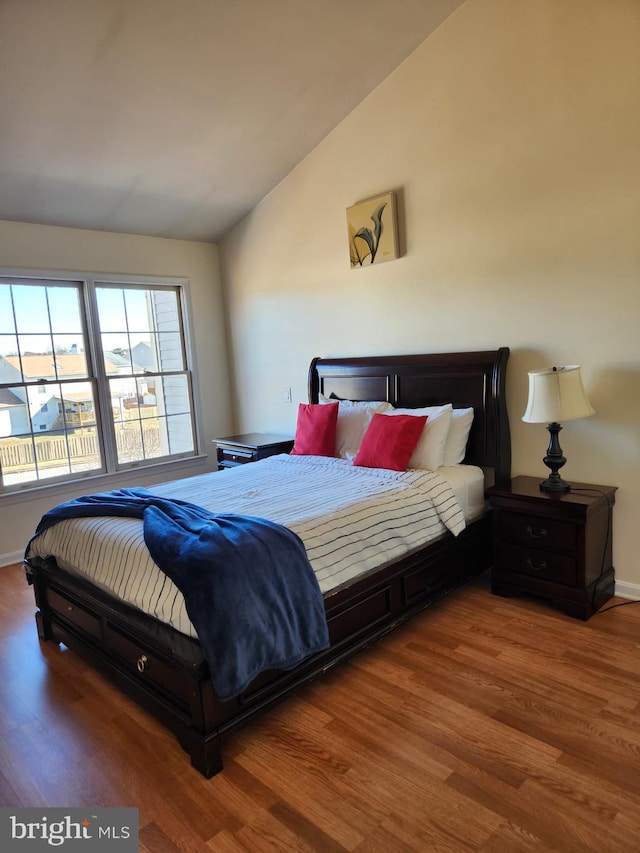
(556, 394)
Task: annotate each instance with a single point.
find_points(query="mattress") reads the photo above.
(351, 519)
(468, 486)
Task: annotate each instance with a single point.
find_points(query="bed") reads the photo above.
(160, 663)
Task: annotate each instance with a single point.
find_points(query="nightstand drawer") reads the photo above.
(536, 563)
(538, 531)
(228, 456)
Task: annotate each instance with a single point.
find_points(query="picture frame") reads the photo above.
(373, 231)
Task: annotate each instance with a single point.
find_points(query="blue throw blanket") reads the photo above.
(249, 588)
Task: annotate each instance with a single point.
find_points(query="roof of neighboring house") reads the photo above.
(117, 359)
(8, 398)
(67, 364)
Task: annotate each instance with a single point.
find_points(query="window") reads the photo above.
(94, 378)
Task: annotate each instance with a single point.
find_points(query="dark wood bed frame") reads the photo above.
(164, 670)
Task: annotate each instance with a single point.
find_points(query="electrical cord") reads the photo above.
(619, 604)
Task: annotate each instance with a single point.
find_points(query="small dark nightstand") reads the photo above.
(553, 545)
(249, 447)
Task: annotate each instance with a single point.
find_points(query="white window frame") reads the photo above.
(89, 282)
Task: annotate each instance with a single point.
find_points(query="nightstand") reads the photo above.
(249, 447)
(557, 546)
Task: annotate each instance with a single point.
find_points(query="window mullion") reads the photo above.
(106, 434)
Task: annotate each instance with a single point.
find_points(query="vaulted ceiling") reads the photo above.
(172, 118)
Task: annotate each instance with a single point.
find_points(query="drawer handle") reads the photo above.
(540, 535)
(143, 663)
(536, 567)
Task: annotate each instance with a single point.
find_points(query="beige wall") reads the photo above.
(512, 137)
(44, 247)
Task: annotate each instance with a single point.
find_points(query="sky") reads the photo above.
(54, 319)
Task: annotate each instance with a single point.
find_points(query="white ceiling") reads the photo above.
(175, 118)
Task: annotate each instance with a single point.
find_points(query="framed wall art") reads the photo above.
(373, 231)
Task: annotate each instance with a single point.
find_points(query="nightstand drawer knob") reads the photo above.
(536, 567)
(539, 535)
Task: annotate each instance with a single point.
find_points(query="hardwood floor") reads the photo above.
(485, 724)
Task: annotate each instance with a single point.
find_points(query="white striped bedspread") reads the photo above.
(351, 520)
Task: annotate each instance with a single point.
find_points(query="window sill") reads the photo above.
(142, 476)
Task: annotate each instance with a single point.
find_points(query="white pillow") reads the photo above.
(429, 451)
(456, 446)
(353, 419)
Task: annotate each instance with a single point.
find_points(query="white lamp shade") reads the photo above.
(556, 394)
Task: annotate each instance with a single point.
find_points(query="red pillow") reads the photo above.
(316, 429)
(389, 441)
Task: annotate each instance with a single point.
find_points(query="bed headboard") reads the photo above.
(462, 378)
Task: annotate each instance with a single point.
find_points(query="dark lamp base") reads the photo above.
(554, 460)
(555, 484)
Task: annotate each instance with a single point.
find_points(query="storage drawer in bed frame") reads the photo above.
(73, 611)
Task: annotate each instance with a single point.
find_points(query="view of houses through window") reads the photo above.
(93, 378)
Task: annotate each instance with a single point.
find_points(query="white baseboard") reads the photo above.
(628, 590)
(8, 559)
